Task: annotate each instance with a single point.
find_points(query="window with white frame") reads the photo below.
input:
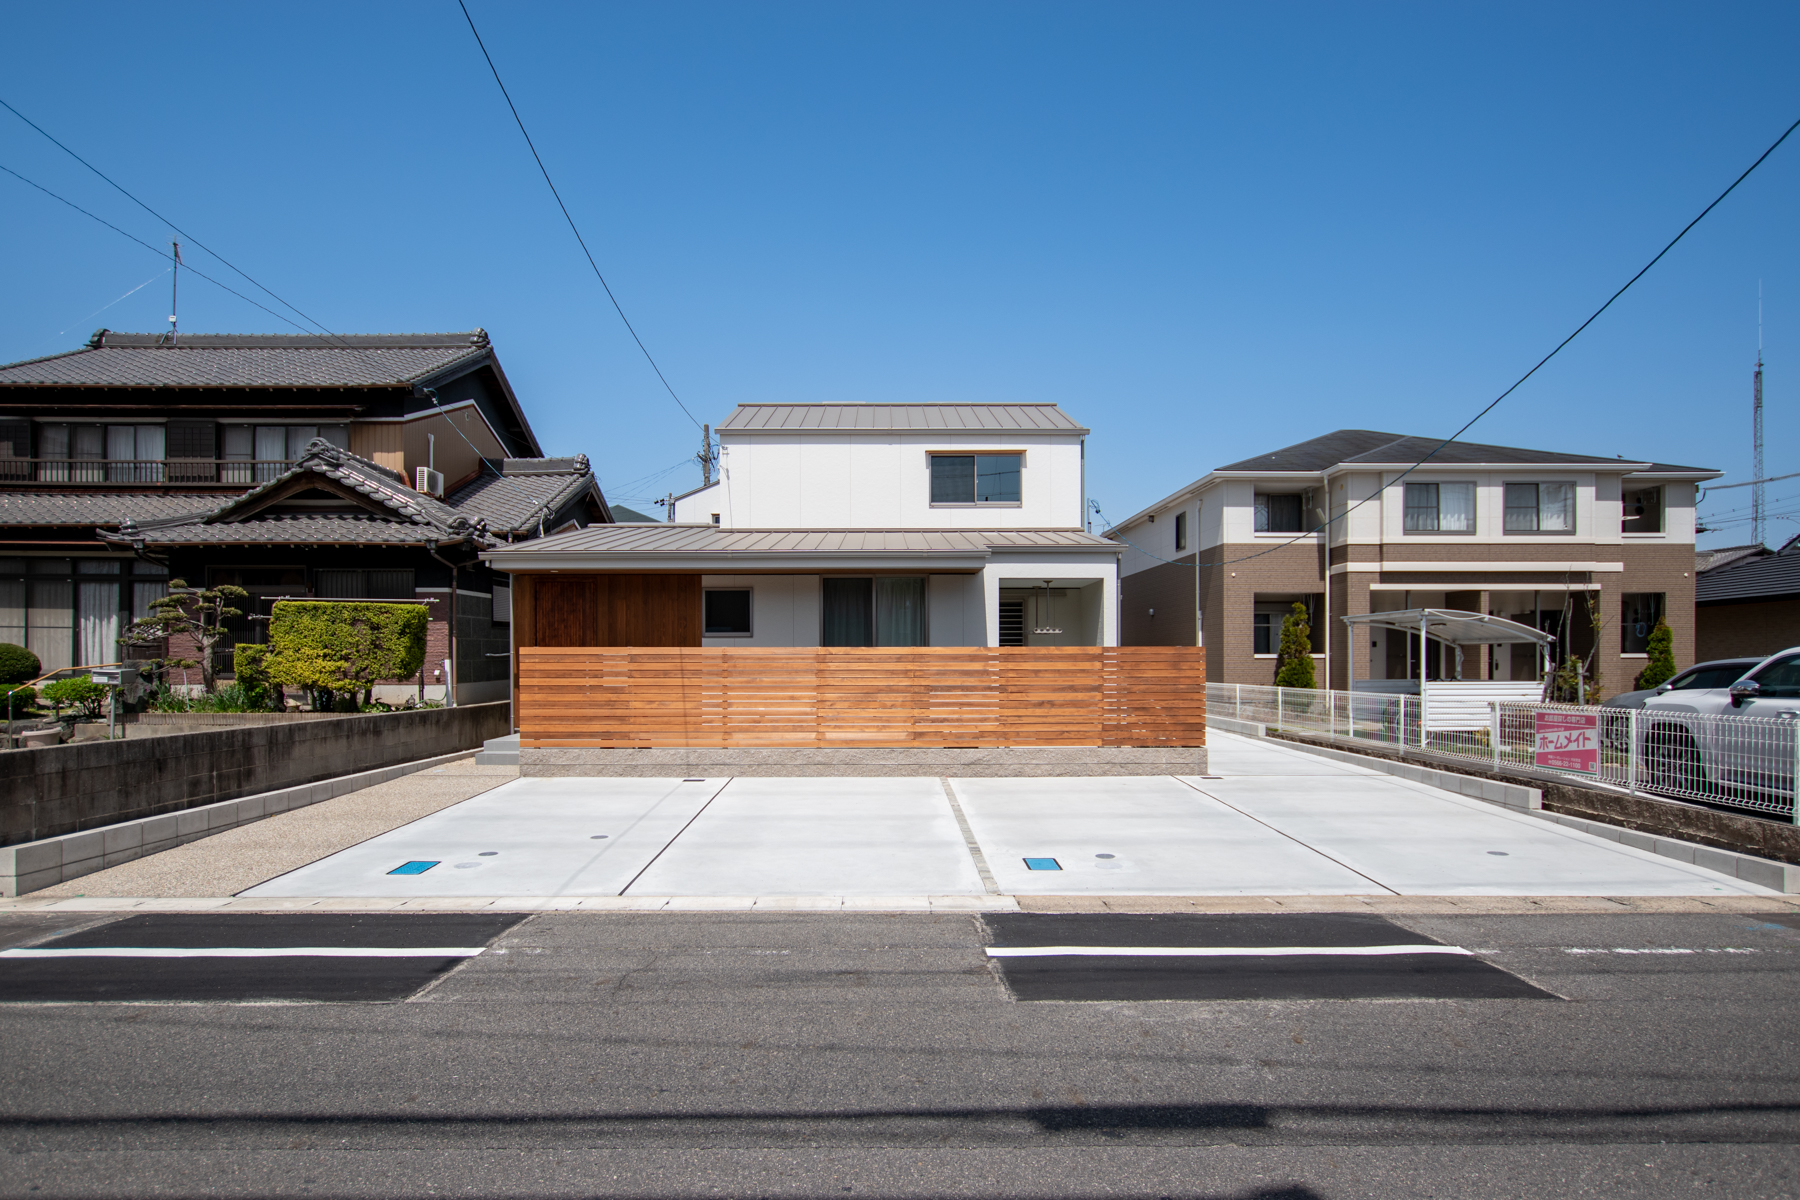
(1180, 532)
(1279, 512)
(1440, 508)
(1643, 511)
(1540, 508)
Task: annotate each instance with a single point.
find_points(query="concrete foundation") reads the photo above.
(1022, 761)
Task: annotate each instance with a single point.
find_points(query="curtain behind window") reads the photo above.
(848, 615)
(99, 609)
(899, 610)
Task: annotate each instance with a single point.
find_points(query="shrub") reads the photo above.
(84, 693)
(21, 698)
(333, 647)
(249, 662)
(1661, 667)
(17, 664)
(1295, 665)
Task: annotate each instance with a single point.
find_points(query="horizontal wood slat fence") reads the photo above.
(891, 696)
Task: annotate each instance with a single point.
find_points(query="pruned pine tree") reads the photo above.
(202, 613)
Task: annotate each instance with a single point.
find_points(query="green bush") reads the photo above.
(330, 647)
(249, 662)
(23, 700)
(82, 692)
(1661, 667)
(17, 664)
(1295, 669)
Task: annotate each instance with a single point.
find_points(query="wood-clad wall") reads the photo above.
(602, 610)
(863, 697)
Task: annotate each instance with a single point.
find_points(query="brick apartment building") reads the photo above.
(1524, 534)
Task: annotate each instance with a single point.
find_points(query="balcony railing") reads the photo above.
(88, 471)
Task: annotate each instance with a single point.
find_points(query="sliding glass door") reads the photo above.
(883, 610)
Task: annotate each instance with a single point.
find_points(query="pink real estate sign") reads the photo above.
(1568, 742)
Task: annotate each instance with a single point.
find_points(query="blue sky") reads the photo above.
(1205, 230)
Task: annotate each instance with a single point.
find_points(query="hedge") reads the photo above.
(344, 645)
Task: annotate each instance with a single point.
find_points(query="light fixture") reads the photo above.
(1045, 612)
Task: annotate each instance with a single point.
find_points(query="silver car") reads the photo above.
(1717, 740)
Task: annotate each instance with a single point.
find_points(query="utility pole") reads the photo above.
(705, 456)
(175, 296)
(1756, 420)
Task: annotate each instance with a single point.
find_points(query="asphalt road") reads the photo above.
(675, 1055)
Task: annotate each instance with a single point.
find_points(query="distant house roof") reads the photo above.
(215, 360)
(1776, 576)
(601, 545)
(1369, 447)
(483, 511)
(1723, 557)
(830, 418)
(93, 510)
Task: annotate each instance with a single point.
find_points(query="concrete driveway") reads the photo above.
(1274, 821)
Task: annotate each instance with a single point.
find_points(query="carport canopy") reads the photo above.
(1453, 626)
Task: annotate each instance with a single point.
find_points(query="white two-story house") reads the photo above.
(1592, 549)
(846, 525)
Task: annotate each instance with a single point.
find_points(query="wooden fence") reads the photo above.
(829, 697)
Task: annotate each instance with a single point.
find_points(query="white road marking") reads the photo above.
(1212, 951)
(241, 952)
(1660, 950)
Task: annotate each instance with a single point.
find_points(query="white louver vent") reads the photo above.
(428, 481)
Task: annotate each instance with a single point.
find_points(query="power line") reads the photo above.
(1773, 146)
(178, 229)
(571, 220)
(146, 245)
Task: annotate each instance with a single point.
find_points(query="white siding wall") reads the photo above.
(881, 481)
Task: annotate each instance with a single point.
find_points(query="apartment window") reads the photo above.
(1440, 508)
(887, 610)
(726, 612)
(1643, 511)
(1280, 512)
(1540, 508)
(1268, 614)
(1180, 532)
(1641, 613)
(975, 478)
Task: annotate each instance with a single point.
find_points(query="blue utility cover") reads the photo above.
(415, 868)
(1042, 864)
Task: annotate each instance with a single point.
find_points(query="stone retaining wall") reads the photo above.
(88, 785)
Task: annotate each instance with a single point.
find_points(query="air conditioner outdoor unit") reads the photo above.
(428, 481)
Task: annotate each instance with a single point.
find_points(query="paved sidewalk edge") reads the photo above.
(29, 866)
(1414, 905)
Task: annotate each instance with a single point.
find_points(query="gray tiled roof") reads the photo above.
(250, 360)
(514, 502)
(488, 506)
(827, 418)
(1760, 579)
(1371, 447)
(1721, 557)
(712, 539)
(97, 509)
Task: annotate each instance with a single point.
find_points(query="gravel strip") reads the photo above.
(229, 862)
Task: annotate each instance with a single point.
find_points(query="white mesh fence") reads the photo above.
(1750, 763)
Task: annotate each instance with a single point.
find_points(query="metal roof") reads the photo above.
(1759, 579)
(834, 418)
(664, 538)
(1456, 626)
(211, 360)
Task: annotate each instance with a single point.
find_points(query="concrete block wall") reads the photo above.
(86, 786)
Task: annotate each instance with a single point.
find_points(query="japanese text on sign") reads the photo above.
(1568, 742)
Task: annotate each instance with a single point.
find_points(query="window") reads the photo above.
(130, 453)
(1280, 513)
(887, 610)
(1266, 633)
(975, 478)
(1440, 508)
(1180, 531)
(1642, 611)
(1709, 677)
(1780, 679)
(1268, 615)
(363, 585)
(1540, 508)
(1643, 511)
(726, 612)
(264, 451)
